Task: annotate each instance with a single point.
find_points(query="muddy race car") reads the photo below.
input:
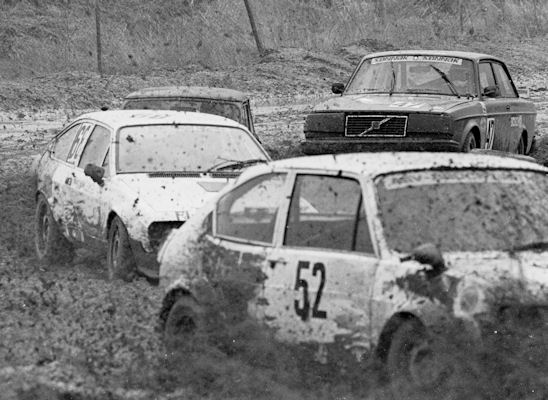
(228, 103)
(125, 178)
(425, 101)
(366, 254)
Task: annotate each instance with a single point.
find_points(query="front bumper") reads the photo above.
(146, 262)
(348, 145)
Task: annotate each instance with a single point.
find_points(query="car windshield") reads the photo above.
(176, 148)
(414, 74)
(463, 210)
(225, 109)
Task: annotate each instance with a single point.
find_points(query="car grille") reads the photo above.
(376, 125)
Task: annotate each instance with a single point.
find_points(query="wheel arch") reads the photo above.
(477, 135)
(110, 218)
(525, 136)
(389, 329)
(168, 301)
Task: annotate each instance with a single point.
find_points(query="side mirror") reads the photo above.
(337, 88)
(428, 254)
(95, 172)
(490, 91)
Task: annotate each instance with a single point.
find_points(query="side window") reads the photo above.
(249, 212)
(327, 212)
(486, 75)
(503, 81)
(96, 147)
(81, 138)
(64, 143)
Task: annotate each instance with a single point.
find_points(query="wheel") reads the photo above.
(521, 146)
(469, 143)
(50, 244)
(185, 318)
(411, 362)
(120, 260)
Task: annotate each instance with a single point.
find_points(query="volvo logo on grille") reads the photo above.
(375, 126)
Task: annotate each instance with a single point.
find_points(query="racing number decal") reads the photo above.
(490, 133)
(81, 137)
(303, 310)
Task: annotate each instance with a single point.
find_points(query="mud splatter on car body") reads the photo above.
(126, 178)
(405, 255)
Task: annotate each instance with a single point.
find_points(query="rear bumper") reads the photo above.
(346, 145)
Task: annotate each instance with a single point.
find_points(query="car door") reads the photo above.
(520, 111)
(243, 230)
(320, 276)
(498, 109)
(67, 151)
(88, 196)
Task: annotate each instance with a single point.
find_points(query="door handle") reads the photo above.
(507, 106)
(272, 263)
(68, 181)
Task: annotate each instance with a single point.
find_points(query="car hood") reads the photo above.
(180, 195)
(387, 103)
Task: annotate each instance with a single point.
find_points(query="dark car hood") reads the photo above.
(386, 103)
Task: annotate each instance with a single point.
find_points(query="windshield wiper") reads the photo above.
(539, 245)
(447, 80)
(235, 164)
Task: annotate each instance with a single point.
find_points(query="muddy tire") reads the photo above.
(185, 318)
(50, 245)
(469, 143)
(520, 149)
(120, 260)
(411, 362)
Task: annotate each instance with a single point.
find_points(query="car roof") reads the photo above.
(202, 92)
(118, 118)
(446, 53)
(372, 165)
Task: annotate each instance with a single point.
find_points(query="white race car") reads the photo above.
(125, 178)
(366, 254)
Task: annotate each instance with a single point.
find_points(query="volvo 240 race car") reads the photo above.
(366, 254)
(426, 101)
(125, 178)
(227, 103)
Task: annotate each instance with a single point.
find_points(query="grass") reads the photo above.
(50, 36)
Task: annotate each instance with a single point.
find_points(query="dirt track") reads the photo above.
(68, 330)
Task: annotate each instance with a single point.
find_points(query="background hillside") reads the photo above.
(51, 36)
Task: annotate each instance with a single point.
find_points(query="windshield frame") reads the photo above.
(117, 133)
(353, 76)
(386, 249)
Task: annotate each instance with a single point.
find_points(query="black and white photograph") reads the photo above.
(274, 199)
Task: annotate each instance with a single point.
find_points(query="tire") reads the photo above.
(185, 319)
(49, 243)
(120, 260)
(521, 146)
(469, 143)
(411, 364)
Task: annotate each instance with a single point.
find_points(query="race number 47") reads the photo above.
(302, 307)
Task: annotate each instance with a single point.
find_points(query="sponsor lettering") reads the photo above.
(418, 58)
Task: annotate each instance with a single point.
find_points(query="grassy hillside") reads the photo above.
(45, 36)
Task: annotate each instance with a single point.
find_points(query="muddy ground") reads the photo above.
(66, 330)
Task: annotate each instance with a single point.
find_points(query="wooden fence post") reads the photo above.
(98, 37)
(461, 17)
(254, 27)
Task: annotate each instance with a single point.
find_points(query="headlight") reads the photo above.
(324, 122)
